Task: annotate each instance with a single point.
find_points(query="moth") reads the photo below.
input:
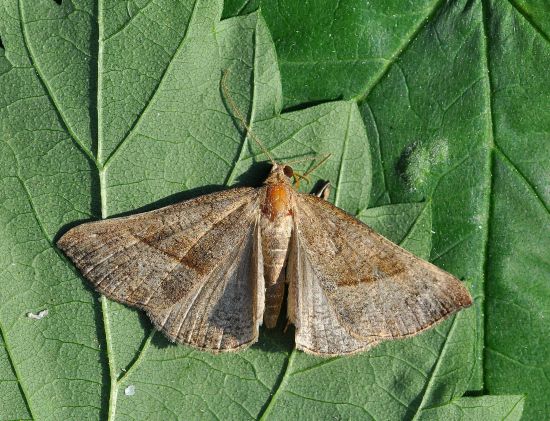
(211, 270)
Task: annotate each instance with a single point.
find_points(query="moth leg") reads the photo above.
(299, 177)
(324, 191)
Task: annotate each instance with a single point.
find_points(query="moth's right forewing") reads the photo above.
(376, 289)
(165, 262)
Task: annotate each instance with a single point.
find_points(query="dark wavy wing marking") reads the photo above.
(178, 262)
(362, 282)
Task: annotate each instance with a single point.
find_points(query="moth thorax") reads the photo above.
(277, 201)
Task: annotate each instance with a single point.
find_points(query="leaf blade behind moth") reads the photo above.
(192, 266)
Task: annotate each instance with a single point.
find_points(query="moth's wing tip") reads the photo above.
(466, 302)
(467, 297)
(64, 241)
(70, 238)
(462, 297)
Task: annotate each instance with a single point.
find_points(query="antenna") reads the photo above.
(237, 113)
(321, 162)
(296, 161)
(304, 176)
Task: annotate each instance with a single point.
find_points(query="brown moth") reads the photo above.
(209, 271)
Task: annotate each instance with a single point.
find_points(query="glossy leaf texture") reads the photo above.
(107, 107)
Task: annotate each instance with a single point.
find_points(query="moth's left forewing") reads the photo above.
(195, 267)
(350, 279)
(222, 314)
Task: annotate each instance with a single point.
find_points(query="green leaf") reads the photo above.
(12, 400)
(112, 106)
(517, 348)
(485, 407)
(239, 7)
(329, 49)
(457, 116)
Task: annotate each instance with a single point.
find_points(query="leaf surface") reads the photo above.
(485, 407)
(111, 107)
(458, 116)
(342, 47)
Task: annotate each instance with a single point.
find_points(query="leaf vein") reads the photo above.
(278, 387)
(24, 393)
(435, 370)
(525, 180)
(530, 20)
(136, 124)
(47, 88)
(129, 21)
(342, 157)
(398, 53)
(309, 398)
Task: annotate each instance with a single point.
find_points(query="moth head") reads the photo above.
(280, 173)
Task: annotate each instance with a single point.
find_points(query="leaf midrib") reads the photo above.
(490, 157)
(114, 380)
(495, 153)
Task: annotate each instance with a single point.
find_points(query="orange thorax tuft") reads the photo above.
(277, 201)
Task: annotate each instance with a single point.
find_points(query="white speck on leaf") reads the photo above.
(38, 316)
(130, 390)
